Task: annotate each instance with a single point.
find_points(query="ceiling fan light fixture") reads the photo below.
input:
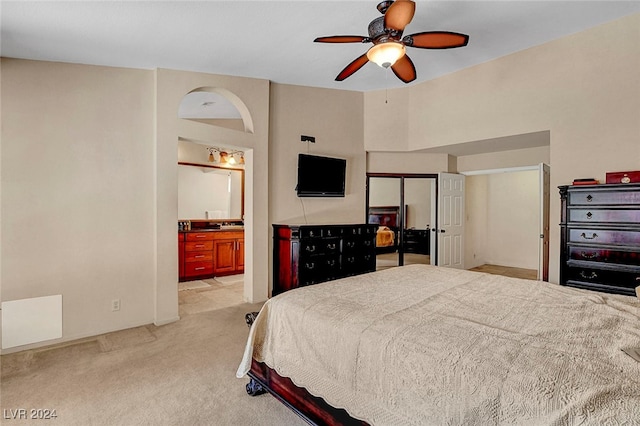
(387, 53)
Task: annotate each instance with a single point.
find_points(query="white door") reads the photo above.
(543, 264)
(433, 241)
(450, 229)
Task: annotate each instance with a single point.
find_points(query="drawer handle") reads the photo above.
(351, 244)
(331, 263)
(199, 245)
(367, 243)
(310, 249)
(590, 276)
(199, 256)
(331, 246)
(589, 215)
(200, 236)
(199, 269)
(310, 265)
(589, 198)
(593, 237)
(351, 259)
(591, 255)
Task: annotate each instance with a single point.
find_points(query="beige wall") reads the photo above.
(584, 89)
(335, 118)
(513, 219)
(505, 159)
(78, 191)
(475, 226)
(403, 162)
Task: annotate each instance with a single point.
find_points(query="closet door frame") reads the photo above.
(402, 177)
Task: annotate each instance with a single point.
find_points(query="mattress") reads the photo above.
(421, 344)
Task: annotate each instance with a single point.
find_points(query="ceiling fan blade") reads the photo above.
(404, 69)
(352, 67)
(436, 40)
(399, 14)
(341, 39)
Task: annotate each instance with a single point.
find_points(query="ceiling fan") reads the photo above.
(389, 47)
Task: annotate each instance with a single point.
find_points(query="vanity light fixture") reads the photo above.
(225, 157)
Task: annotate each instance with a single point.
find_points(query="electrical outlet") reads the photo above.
(115, 305)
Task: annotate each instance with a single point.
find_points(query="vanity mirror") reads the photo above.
(207, 192)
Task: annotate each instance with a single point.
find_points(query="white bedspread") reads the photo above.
(422, 345)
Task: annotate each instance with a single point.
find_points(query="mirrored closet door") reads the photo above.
(404, 207)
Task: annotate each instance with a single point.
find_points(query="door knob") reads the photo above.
(442, 231)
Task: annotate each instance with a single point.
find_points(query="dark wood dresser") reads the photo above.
(310, 254)
(600, 237)
(417, 240)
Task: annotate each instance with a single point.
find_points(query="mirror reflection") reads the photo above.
(210, 193)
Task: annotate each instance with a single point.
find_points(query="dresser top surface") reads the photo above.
(602, 187)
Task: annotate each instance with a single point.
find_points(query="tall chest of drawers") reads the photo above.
(600, 237)
(310, 254)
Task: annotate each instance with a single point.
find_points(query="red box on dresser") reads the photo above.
(623, 177)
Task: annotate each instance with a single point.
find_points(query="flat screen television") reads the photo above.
(320, 176)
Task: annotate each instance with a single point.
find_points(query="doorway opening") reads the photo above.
(211, 205)
(508, 221)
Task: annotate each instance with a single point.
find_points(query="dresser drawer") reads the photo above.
(198, 246)
(192, 269)
(595, 254)
(360, 230)
(318, 269)
(319, 246)
(604, 236)
(311, 232)
(350, 244)
(359, 263)
(604, 215)
(599, 276)
(198, 256)
(596, 198)
(199, 236)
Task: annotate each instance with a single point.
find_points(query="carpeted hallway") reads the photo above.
(178, 374)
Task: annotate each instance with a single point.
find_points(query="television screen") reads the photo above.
(320, 176)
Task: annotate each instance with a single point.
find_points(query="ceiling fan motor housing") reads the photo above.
(378, 33)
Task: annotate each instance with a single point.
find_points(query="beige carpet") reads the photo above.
(230, 279)
(178, 374)
(192, 285)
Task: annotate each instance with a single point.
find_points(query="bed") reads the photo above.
(421, 344)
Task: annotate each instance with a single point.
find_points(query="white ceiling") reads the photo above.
(274, 39)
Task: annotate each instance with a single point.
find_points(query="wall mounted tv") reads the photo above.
(320, 176)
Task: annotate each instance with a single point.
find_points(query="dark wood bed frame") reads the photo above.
(312, 409)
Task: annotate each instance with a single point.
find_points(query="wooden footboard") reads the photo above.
(312, 409)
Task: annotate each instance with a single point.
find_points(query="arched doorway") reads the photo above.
(203, 157)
